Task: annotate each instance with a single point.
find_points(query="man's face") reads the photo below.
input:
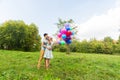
(46, 36)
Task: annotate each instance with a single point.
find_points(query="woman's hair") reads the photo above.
(50, 39)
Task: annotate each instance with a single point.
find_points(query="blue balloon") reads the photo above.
(67, 28)
(68, 41)
(64, 36)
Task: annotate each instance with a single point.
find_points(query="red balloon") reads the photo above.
(69, 33)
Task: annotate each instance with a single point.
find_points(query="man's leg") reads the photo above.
(40, 58)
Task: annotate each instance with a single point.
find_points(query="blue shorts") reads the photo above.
(43, 48)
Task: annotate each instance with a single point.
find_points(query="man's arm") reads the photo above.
(43, 45)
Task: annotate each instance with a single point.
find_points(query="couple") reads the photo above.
(46, 51)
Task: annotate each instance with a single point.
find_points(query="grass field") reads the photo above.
(17, 65)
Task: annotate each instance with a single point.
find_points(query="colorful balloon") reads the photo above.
(69, 41)
(59, 35)
(68, 33)
(67, 28)
(64, 36)
(63, 31)
(62, 42)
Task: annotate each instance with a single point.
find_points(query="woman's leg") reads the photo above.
(40, 58)
(46, 64)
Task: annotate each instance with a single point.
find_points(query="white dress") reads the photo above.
(48, 53)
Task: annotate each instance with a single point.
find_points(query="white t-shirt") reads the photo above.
(44, 41)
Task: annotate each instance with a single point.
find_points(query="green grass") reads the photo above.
(17, 65)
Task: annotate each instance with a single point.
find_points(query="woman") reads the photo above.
(48, 53)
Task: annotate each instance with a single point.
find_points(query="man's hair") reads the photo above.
(45, 34)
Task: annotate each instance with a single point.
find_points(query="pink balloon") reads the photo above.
(63, 31)
(59, 35)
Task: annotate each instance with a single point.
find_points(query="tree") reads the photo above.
(108, 45)
(61, 22)
(18, 36)
(108, 39)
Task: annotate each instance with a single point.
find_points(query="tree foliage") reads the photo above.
(61, 22)
(16, 35)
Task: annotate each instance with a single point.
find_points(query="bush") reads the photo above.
(99, 48)
(74, 46)
(108, 49)
(116, 48)
(59, 48)
(92, 46)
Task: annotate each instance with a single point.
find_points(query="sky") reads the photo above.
(95, 18)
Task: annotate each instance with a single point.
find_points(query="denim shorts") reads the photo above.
(43, 48)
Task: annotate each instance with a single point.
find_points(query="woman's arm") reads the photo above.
(52, 43)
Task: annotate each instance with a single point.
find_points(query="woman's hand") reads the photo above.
(49, 48)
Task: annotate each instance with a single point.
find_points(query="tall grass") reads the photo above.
(17, 65)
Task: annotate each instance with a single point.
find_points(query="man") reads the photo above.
(43, 47)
